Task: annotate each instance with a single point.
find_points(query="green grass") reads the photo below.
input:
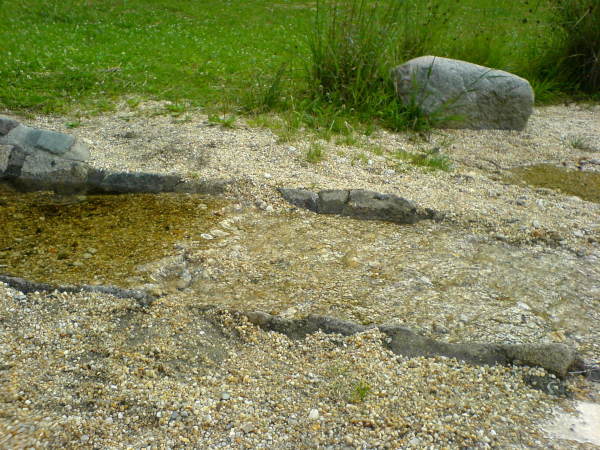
(316, 153)
(429, 160)
(225, 121)
(70, 54)
(321, 65)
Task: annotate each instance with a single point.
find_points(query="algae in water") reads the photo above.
(94, 239)
(585, 185)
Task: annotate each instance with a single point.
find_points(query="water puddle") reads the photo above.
(94, 239)
(582, 426)
(585, 185)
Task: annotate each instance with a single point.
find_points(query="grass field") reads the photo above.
(236, 56)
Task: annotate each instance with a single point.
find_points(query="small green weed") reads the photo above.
(580, 143)
(133, 103)
(359, 158)
(74, 124)
(266, 95)
(376, 150)
(349, 140)
(316, 153)
(360, 391)
(346, 385)
(431, 159)
(225, 122)
(176, 109)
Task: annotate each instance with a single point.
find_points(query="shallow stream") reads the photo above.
(437, 277)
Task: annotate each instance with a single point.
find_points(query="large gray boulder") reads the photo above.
(459, 94)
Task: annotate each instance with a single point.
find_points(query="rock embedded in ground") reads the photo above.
(108, 182)
(357, 203)
(459, 94)
(36, 159)
(555, 358)
(33, 158)
(7, 124)
(33, 140)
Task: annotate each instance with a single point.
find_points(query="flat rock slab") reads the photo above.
(459, 94)
(555, 358)
(358, 203)
(109, 182)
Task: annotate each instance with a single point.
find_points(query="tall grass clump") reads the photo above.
(577, 60)
(353, 47)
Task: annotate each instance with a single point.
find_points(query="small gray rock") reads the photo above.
(248, 427)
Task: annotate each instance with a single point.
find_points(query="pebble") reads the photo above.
(248, 427)
(313, 414)
(218, 233)
(207, 236)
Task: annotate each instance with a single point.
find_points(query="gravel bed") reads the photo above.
(508, 263)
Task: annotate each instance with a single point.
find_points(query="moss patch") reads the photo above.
(573, 182)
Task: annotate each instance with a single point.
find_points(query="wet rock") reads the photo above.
(27, 286)
(358, 203)
(108, 182)
(299, 328)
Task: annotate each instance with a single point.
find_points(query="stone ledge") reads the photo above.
(555, 358)
(360, 204)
